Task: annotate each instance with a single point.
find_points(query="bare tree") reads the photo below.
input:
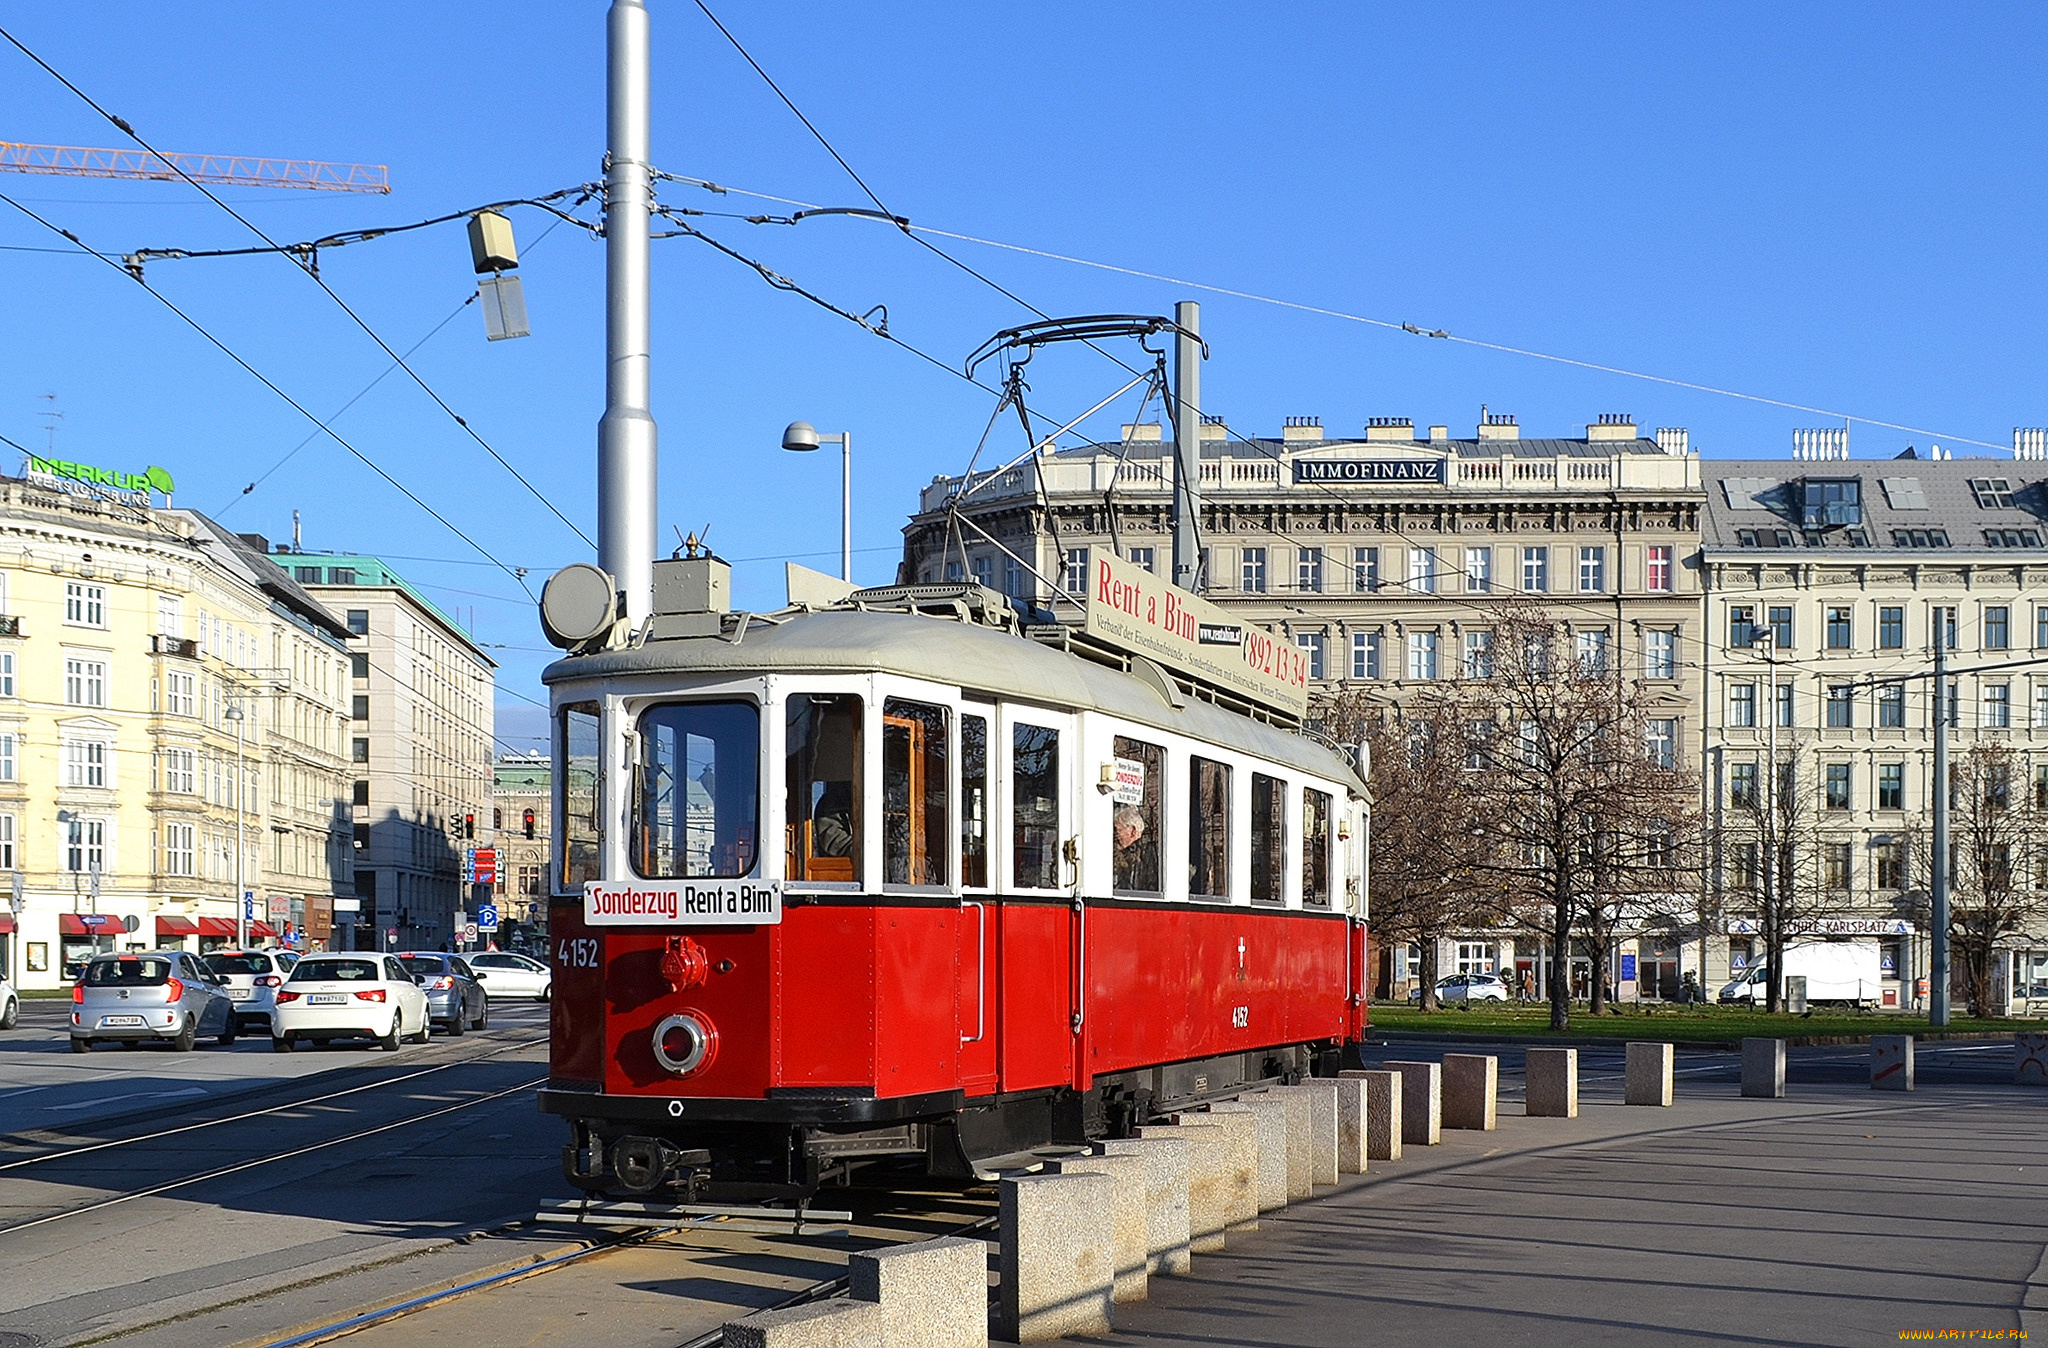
(1792, 873)
(1998, 827)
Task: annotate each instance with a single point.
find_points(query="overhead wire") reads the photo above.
(268, 383)
(331, 293)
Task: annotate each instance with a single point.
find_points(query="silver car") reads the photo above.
(10, 1005)
(251, 978)
(455, 996)
(513, 975)
(155, 996)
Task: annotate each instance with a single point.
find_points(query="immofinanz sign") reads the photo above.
(695, 903)
(1131, 608)
(1369, 470)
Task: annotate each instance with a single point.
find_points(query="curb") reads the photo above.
(1723, 1045)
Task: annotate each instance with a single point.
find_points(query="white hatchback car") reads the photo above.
(349, 996)
(252, 978)
(509, 975)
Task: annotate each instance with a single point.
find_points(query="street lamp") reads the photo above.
(802, 438)
(234, 713)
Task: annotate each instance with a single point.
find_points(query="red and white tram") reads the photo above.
(885, 882)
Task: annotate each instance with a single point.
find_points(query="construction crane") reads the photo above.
(73, 161)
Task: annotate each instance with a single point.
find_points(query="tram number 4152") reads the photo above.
(576, 953)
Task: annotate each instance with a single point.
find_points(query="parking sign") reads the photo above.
(487, 917)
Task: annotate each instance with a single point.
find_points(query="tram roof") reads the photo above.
(947, 651)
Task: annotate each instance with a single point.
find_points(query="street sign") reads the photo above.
(280, 906)
(249, 904)
(469, 933)
(486, 866)
(487, 917)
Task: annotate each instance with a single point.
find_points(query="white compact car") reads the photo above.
(512, 975)
(349, 996)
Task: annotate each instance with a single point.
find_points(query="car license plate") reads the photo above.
(240, 994)
(120, 1020)
(327, 998)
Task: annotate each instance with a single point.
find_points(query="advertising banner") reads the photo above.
(1131, 608)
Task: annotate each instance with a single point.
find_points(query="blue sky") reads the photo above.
(1829, 205)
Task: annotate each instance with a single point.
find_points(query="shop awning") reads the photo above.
(6, 924)
(90, 924)
(216, 926)
(176, 927)
(260, 929)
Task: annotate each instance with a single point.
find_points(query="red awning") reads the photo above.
(90, 924)
(6, 923)
(216, 926)
(176, 926)
(260, 929)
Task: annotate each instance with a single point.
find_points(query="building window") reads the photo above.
(1998, 706)
(1661, 741)
(1836, 787)
(169, 620)
(1074, 571)
(1308, 571)
(9, 860)
(1839, 628)
(1742, 785)
(181, 852)
(85, 845)
(1479, 570)
(1422, 570)
(85, 763)
(2041, 627)
(358, 619)
(1657, 568)
(1741, 625)
(2041, 705)
(179, 774)
(1891, 865)
(359, 666)
(1891, 628)
(1592, 570)
(1942, 625)
(1742, 706)
(1997, 628)
(1365, 571)
(1786, 704)
(85, 605)
(1660, 654)
(1993, 493)
(359, 707)
(1479, 655)
(1591, 644)
(1365, 655)
(1536, 570)
(1141, 557)
(1781, 626)
(1252, 570)
(1311, 644)
(6, 673)
(1013, 578)
(359, 751)
(1836, 858)
(85, 682)
(1891, 786)
(179, 696)
(1891, 706)
(1841, 706)
(1422, 655)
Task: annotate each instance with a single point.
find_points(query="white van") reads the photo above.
(1835, 971)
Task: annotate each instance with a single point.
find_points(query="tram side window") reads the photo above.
(822, 778)
(582, 771)
(974, 802)
(1315, 848)
(1035, 806)
(914, 781)
(1135, 826)
(696, 814)
(1269, 838)
(1208, 829)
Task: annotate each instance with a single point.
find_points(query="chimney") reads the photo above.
(1385, 429)
(1498, 426)
(1612, 426)
(1437, 434)
(2030, 442)
(1299, 430)
(1213, 427)
(1823, 443)
(1674, 440)
(1141, 432)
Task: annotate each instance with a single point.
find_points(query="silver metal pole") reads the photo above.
(241, 786)
(1187, 446)
(1937, 972)
(626, 482)
(846, 507)
(1774, 916)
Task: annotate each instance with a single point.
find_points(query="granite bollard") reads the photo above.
(1321, 1094)
(1057, 1257)
(1301, 1140)
(933, 1294)
(1422, 1102)
(1128, 1215)
(1210, 1159)
(1269, 1115)
(2030, 1059)
(1551, 1083)
(1647, 1076)
(1891, 1062)
(1763, 1068)
(822, 1324)
(1351, 1123)
(1383, 1113)
(1471, 1083)
(1167, 1229)
(1241, 1188)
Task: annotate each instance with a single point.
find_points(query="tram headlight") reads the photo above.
(685, 1042)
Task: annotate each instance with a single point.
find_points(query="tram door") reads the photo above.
(980, 969)
(1040, 1008)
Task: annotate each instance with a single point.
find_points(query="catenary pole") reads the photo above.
(1187, 446)
(1937, 877)
(626, 457)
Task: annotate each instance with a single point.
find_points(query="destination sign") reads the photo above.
(1369, 470)
(1130, 608)
(696, 903)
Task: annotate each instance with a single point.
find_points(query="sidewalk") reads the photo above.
(1835, 1216)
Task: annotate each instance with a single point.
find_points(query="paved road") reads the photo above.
(1835, 1216)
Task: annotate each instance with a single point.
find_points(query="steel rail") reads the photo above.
(295, 1152)
(65, 1152)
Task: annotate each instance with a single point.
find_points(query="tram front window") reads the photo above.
(696, 814)
(914, 790)
(581, 772)
(822, 780)
(1035, 806)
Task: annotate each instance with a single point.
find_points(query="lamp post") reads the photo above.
(803, 438)
(234, 713)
